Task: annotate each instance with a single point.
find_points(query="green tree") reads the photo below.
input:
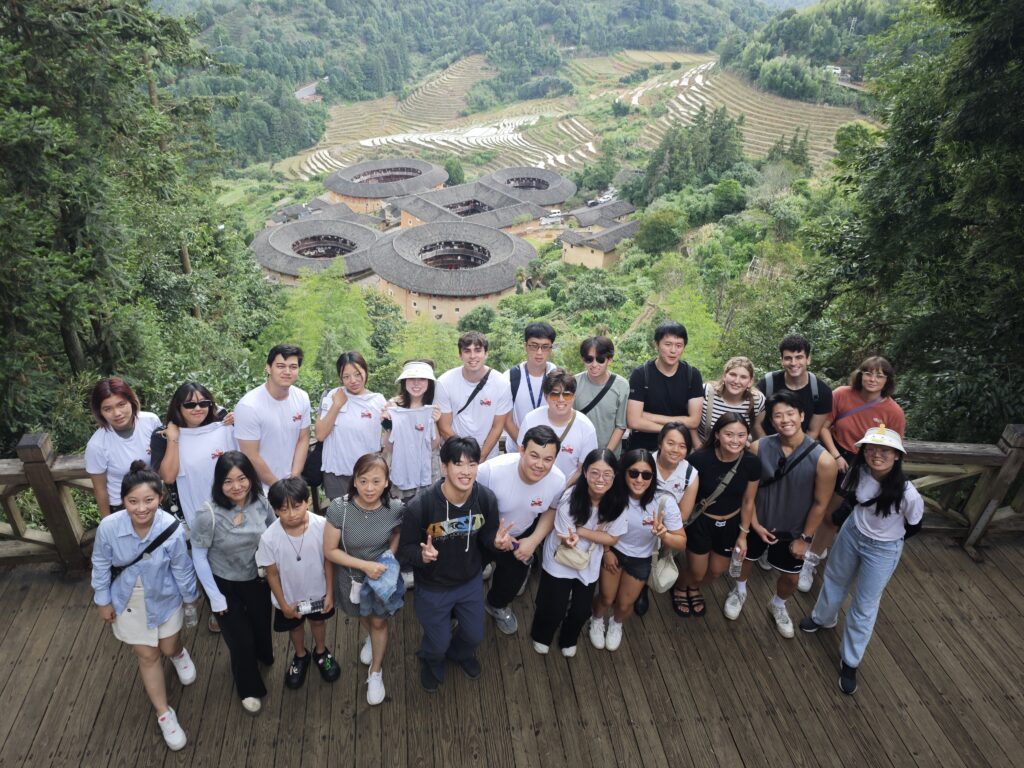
(659, 232)
(456, 175)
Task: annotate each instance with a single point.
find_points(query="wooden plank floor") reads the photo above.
(942, 685)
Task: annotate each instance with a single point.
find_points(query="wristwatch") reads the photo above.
(806, 539)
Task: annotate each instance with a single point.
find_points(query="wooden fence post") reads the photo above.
(36, 453)
(1012, 442)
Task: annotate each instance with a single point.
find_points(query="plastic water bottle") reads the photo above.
(191, 615)
(736, 563)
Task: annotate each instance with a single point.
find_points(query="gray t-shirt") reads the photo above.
(610, 412)
(231, 547)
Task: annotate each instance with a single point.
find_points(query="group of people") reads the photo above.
(590, 478)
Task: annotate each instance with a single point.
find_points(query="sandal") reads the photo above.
(696, 602)
(681, 603)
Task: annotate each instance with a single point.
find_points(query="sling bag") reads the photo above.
(781, 473)
(604, 391)
(476, 390)
(860, 408)
(115, 570)
(713, 497)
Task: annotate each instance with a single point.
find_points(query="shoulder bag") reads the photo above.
(713, 496)
(476, 390)
(597, 398)
(664, 570)
(115, 570)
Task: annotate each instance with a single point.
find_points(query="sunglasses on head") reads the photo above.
(193, 404)
(635, 473)
(588, 359)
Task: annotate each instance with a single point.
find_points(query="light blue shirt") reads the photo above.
(168, 578)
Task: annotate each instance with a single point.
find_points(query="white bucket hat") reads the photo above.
(416, 369)
(881, 436)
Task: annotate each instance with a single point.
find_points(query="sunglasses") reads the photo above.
(643, 473)
(562, 396)
(193, 404)
(588, 359)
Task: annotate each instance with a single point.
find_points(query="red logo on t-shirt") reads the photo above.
(537, 502)
(216, 454)
(420, 427)
(677, 486)
(568, 449)
(366, 414)
(297, 416)
(485, 401)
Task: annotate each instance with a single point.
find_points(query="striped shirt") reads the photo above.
(718, 407)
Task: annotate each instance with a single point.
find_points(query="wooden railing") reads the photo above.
(970, 490)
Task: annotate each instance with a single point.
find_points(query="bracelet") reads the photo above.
(836, 455)
(744, 530)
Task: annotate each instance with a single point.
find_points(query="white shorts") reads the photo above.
(130, 627)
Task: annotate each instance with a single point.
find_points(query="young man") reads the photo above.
(664, 389)
(797, 477)
(525, 379)
(473, 399)
(272, 421)
(576, 434)
(527, 486)
(814, 394)
(443, 531)
(601, 395)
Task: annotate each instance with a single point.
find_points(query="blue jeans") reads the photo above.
(435, 607)
(869, 562)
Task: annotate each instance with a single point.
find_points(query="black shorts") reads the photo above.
(637, 567)
(283, 624)
(779, 556)
(706, 535)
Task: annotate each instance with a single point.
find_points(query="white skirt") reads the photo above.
(130, 626)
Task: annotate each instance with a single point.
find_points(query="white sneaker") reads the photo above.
(409, 580)
(734, 604)
(806, 580)
(375, 689)
(174, 737)
(569, 652)
(541, 648)
(488, 571)
(366, 653)
(763, 561)
(251, 704)
(597, 631)
(184, 667)
(782, 620)
(613, 638)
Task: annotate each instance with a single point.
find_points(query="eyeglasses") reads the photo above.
(637, 473)
(540, 347)
(561, 396)
(874, 374)
(595, 474)
(193, 404)
(588, 359)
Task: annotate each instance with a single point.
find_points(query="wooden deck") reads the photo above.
(942, 685)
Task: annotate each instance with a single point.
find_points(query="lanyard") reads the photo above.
(529, 386)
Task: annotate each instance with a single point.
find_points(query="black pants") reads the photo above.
(509, 573)
(246, 631)
(565, 601)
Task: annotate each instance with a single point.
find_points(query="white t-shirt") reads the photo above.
(677, 482)
(300, 579)
(356, 431)
(529, 395)
(412, 433)
(519, 502)
(891, 527)
(638, 541)
(198, 451)
(107, 452)
(563, 524)
(580, 440)
(493, 400)
(275, 423)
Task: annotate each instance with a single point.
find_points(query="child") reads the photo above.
(143, 602)
(292, 551)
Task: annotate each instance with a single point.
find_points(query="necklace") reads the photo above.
(298, 552)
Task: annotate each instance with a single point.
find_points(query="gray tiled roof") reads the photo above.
(559, 188)
(422, 208)
(500, 218)
(616, 209)
(273, 247)
(430, 176)
(605, 240)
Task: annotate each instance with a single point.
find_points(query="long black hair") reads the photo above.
(638, 456)
(612, 503)
(228, 461)
(182, 394)
(892, 487)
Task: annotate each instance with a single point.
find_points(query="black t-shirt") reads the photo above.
(663, 395)
(806, 396)
(710, 472)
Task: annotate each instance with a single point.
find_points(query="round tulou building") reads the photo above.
(365, 186)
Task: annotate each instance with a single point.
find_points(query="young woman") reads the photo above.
(122, 437)
(864, 404)
(186, 450)
(887, 509)
(729, 476)
(144, 602)
(350, 423)
(675, 474)
(651, 515)
(362, 537)
(413, 440)
(733, 393)
(225, 536)
(589, 518)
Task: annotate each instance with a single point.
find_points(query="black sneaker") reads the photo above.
(427, 680)
(329, 669)
(807, 624)
(295, 675)
(847, 678)
(642, 602)
(471, 667)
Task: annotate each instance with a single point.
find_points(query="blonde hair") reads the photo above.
(719, 386)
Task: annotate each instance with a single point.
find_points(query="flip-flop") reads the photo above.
(681, 603)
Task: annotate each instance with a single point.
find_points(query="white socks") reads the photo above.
(778, 602)
(741, 587)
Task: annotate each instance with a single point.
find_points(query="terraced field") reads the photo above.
(555, 133)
